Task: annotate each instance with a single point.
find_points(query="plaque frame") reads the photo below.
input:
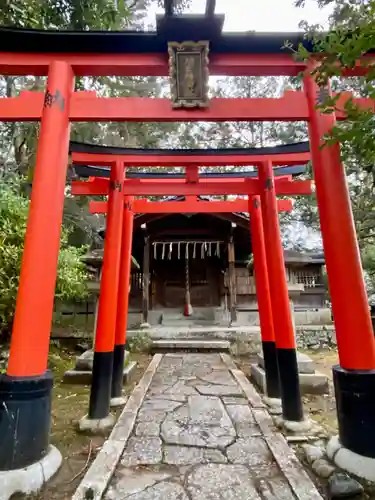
(189, 52)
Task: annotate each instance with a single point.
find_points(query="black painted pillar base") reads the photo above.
(271, 369)
(118, 371)
(289, 385)
(101, 385)
(25, 420)
(355, 403)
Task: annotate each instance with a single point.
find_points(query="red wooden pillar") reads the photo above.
(282, 320)
(25, 392)
(264, 298)
(106, 326)
(122, 299)
(354, 379)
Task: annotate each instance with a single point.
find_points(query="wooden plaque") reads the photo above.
(188, 68)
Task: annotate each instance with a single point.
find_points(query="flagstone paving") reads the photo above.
(196, 437)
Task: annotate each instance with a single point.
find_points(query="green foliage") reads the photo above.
(71, 277)
(351, 37)
(65, 14)
(368, 258)
(140, 342)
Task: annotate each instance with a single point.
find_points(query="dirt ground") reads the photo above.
(70, 403)
(322, 408)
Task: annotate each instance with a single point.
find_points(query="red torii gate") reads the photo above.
(233, 55)
(192, 185)
(131, 207)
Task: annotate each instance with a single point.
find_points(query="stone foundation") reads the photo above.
(307, 337)
(81, 374)
(191, 345)
(311, 382)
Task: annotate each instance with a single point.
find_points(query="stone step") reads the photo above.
(191, 345)
(83, 377)
(178, 322)
(310, 383)
(85, 360)
(186, 321)
(305, 363)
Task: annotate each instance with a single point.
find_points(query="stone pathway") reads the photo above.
(200, 432)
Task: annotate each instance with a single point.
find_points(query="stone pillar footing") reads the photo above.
(297, 427)
(272, 401)
(96, 425)
(274, 405)
(353, 463)
(118, 401)
(29, 480)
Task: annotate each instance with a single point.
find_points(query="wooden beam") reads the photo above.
(291, 107)
(185, 207)
(85, 106)
(140, 187)
(98, 186)
(284, 64)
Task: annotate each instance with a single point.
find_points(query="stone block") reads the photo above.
(85, 360)
(133, 482)
(202, 422)
(193, 345)
(305, 363)
(310, 383)
(83, 377)
(216, 481)
(142, 451)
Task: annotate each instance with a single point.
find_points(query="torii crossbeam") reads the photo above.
(169, 187)
(187, 207)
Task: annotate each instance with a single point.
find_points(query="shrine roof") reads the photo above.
(295, 257)
(85, 171)
(83, 147)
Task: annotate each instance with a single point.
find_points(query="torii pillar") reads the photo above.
(354, 378)
(282, 319)
(271, 367)
(25, 391)
(99, 417)
(122, 303)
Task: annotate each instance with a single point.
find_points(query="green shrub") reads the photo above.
(139, 342)
(71, 275)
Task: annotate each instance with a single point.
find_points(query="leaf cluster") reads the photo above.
(71, 275)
